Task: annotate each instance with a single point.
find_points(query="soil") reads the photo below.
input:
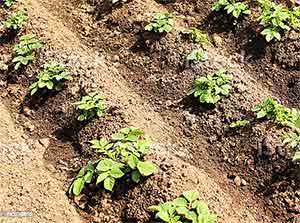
(145, 80)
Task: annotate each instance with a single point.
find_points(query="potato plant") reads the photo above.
(161, 23)
(122, 156)
(24, 51)
(236, 9)
(9, 3)
(186, 208)
(211, 88)
(197, 55)
(16, 21)
(272, 110)
(198, 36)
(51, 78)
(90, 106)
(239, 123)
(293, 140)
(276, 18)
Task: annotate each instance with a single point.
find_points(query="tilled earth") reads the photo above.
(244, 176)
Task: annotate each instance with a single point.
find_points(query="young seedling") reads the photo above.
(272, 110)
(9, 3)
(90, 106)
(236, 9)
(122, 156)
(211, 88)
(293, 139)
(239, 124)
(16, 21)
(198, 36)
(276, 18)
(197, 55)
(51, 78)
(24, 51)
(161, 22)
(186, 208)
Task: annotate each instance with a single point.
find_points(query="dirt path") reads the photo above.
(26, 185)
(44, 196)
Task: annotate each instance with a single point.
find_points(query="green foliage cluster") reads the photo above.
(231, 7)
(90, 106)
(16, 21)
(161, 22)
(293, 139)
(272, 110)
(211, 88)
(52, 78)
(197, 55)
(24, 51)
(186, 208)
(9, 3)
(198, 36)
(276, 18)
(239, 123)
(123, 155)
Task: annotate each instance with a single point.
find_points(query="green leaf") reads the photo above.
(180, 202)
(132, 161)
(116, 172)
(191, 195)
(109, 183)
(78, 186)
(118, 136)
(146, 168)
(296, 157)
(105, 165)
(102, 177)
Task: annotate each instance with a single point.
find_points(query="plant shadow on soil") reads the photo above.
(104, 8)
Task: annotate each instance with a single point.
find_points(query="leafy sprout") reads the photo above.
(52, 78)
(293, 140)
(9, 3)
(196, 56)
(186, 208)
(239, 124)
(122, 156)
(272, 110)
(161, 22)
(276, 18)
(24, 51)
(211, 88)
(198, 36)
(90, 106)
(16, 21)
(236, 9)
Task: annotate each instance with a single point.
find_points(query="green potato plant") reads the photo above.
(162, 22)
(198, 36)
(272, 110)
(51, 78)
(211, 88)
(197, 55)
(9, 3)
(236, 9)
(276, 18)
(24, 51)
(239, 124)
(16, 21)
(186, 208)
(293, 140)
(123, 155)
(90, 106)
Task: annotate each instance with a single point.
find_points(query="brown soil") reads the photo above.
(145, 79)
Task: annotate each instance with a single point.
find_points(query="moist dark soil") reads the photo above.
(154, 66)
